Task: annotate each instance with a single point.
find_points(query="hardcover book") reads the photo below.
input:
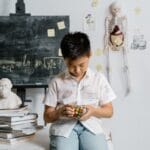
(16, 139)
(19, 118)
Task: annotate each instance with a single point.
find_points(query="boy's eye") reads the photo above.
(82, 65)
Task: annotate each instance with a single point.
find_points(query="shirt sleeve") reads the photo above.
(50, 98)
(107, 93)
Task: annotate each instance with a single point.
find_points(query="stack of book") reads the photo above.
(17, 125)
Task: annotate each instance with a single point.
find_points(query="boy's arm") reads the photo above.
(51, 114)
(104, 111)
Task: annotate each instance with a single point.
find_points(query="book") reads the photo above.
(15, 123)
(22, 113)
(23, 124)
(19, 118)
(9, 135)
(5, 130)
(16, 139)
(26, 130)
(15, 112)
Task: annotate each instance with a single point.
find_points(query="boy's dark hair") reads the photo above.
(75, 45)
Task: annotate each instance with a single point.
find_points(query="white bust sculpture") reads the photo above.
(8, 99)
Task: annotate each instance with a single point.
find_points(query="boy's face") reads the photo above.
(78, 67)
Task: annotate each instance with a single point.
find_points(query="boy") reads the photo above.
(77, 86)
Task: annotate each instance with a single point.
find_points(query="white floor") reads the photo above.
(40, 141)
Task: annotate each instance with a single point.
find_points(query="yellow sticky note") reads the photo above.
(98, 52)
(94, 3)
(99, 67)
(137, 10)
(61, 25)
(51, 32)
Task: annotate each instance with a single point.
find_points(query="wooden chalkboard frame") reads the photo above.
(29, 48)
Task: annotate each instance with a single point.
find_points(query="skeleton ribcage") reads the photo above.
(118, 22)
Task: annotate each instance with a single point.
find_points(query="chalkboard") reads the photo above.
(29, 48)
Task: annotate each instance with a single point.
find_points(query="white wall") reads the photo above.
(130, 125)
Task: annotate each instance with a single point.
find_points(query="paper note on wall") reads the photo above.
(61, 25)
(137, 10)
(99, 67)
(59, 52)
(94, 3)
(89, 22)
(98, 52)
(51, 32)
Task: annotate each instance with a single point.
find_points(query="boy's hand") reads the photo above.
(88, 114)
(67, 111)
(76, 112)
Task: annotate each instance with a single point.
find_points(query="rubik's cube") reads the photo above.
(79, 111)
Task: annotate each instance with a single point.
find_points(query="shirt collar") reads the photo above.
(87, 75)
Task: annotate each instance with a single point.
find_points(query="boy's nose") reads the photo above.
(77, 69)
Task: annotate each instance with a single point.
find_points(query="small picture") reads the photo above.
(138, 42)
(89, 22)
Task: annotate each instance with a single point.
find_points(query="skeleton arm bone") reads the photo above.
(106, 38)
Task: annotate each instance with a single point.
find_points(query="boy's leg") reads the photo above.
(90, 141)
(62, 143)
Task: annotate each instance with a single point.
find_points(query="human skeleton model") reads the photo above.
(8, 99)
(115, 38)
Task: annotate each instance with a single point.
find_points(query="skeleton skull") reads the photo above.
(115, 8)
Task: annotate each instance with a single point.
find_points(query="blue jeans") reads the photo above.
(79, 139)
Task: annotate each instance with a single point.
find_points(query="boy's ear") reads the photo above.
(90, 53)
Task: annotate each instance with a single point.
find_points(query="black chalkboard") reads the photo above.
(29, 48)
